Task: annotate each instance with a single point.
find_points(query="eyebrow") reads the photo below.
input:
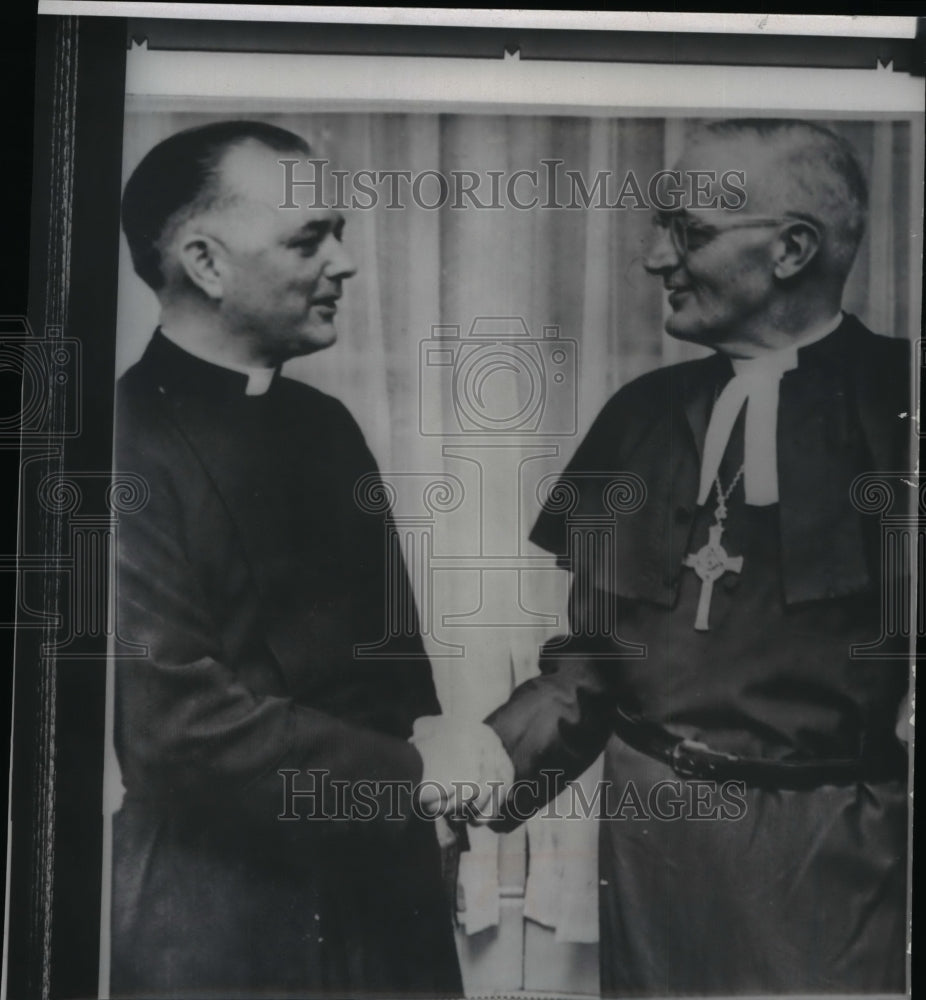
(682, 213)
(317, 228)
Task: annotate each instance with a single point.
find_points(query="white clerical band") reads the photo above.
(259, 380)
(755, 383)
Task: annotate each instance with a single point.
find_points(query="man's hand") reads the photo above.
(466, 769)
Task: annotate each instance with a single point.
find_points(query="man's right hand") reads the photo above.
(466, 769)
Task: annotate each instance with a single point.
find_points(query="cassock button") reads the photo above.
(682, 515)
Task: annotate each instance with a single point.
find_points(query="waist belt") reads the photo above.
(692, 759)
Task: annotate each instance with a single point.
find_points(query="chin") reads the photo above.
(694, 330)
(316, 339)
(680, 330)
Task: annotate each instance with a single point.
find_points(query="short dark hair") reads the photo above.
(181, 174)
(823, 173)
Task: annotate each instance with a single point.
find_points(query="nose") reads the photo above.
(662, 256)
(338, 263)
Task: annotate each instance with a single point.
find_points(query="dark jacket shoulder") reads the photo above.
(878, 367)
(633, 409)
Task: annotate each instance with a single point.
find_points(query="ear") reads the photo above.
(203, 260)
(796, 247)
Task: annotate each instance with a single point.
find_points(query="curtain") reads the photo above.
(424, 360)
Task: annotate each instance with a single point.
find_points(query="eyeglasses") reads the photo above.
(689, 235)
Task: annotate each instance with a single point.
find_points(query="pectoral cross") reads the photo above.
(710, 562)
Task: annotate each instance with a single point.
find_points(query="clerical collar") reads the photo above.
(259, 379)
(755, 383)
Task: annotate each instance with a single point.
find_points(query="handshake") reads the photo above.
(467, 772)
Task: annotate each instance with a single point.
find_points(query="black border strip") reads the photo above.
(56, 837)
(590, 46)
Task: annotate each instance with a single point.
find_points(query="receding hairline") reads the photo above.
(219, 186)
(218, 193)
(788, 140)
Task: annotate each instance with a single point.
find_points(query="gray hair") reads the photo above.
(824, 179)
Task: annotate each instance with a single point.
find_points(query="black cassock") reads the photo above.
(796, 882)
(250, 576)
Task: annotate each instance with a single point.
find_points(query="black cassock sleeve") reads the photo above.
(555, 725)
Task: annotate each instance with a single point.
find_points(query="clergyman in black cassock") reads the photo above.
(754, 826)
(251, 576)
